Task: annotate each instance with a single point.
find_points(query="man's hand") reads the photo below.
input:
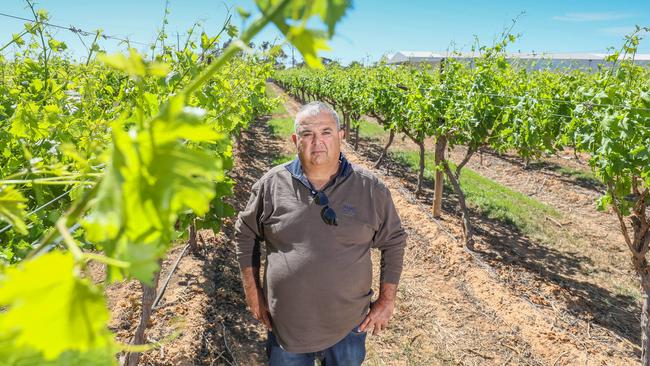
(255, 297)
(380, 310)
(257, 306)
(378, 317)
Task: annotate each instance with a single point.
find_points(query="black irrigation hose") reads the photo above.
(169, 276)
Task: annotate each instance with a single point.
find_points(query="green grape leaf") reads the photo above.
(154, 175)
(308, 41)
(17, 39)
(143, 260)
(42, 15)
(51, 309)
(331, 12)
(25, 356)
(56, 46)
(135, 65)
(27, 122)
(603, 202)
(232, 30)
(205, 41)
(12, 208)
(243, 13)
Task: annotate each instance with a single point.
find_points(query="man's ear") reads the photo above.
(341, 133)
(294, 138)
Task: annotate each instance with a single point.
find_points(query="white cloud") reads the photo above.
(618, 31)
(591, 17)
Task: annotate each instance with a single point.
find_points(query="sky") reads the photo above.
(370, 30)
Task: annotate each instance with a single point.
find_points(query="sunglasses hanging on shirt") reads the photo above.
(327, 213)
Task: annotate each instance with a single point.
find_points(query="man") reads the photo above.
(319, 215)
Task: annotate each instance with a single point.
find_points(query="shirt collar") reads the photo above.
(295, 168)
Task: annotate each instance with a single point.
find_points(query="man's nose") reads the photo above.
(318, 138)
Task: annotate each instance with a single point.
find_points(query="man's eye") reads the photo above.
(327, 133)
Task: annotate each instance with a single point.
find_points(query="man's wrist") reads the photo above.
(250, 287)
(386, 300)
(387, 293)
(250, 279)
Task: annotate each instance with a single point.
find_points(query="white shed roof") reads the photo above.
(424, 56)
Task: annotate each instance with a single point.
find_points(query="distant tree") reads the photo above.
(355, 64)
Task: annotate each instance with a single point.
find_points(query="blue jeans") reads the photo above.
(350, 351)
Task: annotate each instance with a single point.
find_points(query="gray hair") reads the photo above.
(313, 109)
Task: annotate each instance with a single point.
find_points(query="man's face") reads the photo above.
(317, 139)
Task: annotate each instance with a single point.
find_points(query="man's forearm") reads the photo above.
(255, 299)
(392, 259)
(250, 278)
(387, 292)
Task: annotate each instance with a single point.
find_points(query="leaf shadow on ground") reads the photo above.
(571, 177)
(505, 247)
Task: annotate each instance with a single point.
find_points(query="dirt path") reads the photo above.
(453, 309)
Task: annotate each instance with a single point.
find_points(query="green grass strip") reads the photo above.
(581, 176)
(281, 127)
(279, 109)
(282, 159)
(371, 130)
(493, 199)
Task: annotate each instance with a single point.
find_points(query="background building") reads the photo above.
(531, 60)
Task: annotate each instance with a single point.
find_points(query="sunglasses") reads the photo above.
(327, 214)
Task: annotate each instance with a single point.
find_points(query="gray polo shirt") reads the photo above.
(318, 277)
